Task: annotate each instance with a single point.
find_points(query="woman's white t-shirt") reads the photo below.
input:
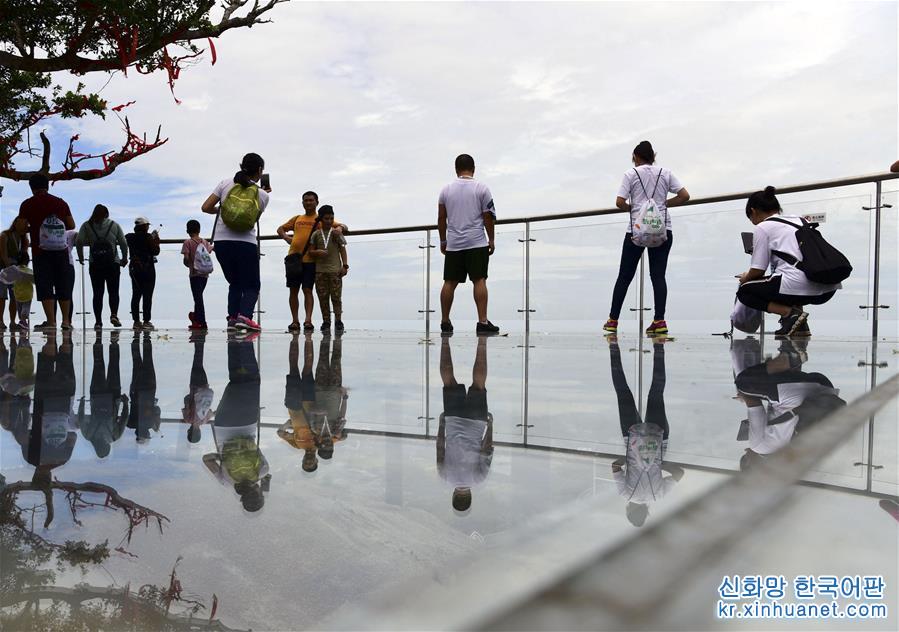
(769, 236)
(631, 190)
(222, 232)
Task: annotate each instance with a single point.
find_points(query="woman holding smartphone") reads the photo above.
(238, 203)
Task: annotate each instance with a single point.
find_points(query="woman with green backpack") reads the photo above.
(238, 203)
(104, 239)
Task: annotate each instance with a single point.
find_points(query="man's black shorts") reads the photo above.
(461, 264)
(299, 389)
(54, 278)
(304, 279)
(470, 405)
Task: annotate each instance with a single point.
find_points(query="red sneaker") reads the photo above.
(657, 327)
(247, 323)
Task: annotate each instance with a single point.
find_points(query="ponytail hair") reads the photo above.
(763, 201)
(100, 213)
(249, 166)
(644, 152)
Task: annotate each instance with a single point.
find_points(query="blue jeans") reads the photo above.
(240, 265)
(630, 260)
(197, 285)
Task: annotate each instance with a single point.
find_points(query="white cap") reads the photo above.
(141, 221)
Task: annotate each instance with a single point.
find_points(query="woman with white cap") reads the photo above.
(143, 246)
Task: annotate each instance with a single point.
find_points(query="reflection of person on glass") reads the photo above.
(781, 399)
(144, 413)
(17, 384)
(198, 401)
(640, 474)
(465, 436)
(299, 399)
(238, 461)
(53, 432)
(329, 411)
(109, 407)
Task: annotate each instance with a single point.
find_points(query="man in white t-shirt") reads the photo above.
(465, 435)
(786, 290)
(465, 220)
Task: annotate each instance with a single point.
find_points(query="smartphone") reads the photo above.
(265, 183)
(746, 237)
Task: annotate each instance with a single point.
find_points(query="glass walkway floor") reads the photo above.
(322, 476)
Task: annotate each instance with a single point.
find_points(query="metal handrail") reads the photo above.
(727, 197)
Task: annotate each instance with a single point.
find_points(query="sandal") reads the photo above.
(294, 327)
(308, 328)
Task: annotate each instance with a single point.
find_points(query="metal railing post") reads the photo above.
(875, 302)
(83, 313)
(527, 311)
(427, 311)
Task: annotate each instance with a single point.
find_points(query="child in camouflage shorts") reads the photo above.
(329, 250)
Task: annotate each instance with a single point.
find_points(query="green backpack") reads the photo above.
(240, 208)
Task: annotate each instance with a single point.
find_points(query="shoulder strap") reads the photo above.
(657, 181)
(641, 182)
(309, 241)
(780, 220)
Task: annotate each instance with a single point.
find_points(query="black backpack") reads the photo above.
(821, 262)
(102, 252)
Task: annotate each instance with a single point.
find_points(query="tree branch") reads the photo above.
(72, 61)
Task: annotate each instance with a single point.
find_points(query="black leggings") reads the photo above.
(658, 264)
(105, 278)
(655, 401)
(143, 282)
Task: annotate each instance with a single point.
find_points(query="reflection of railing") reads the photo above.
(526, 309)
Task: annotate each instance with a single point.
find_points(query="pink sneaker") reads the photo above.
(247, 323)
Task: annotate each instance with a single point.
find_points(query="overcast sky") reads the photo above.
(369, 103)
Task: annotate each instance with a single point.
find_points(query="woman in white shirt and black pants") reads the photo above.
(787, 289)
(639, 184)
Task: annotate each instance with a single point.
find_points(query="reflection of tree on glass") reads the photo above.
(640, 475)
(198, 401)
(465, 436)
(299, 399)
(109, 406)
(144, 414)
(782, 401)
(239, 462)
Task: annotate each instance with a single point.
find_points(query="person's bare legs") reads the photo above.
(293, 356)
(66, 312)
(447, 292)
(480, 298)
(294, 302)
(308, 303)
(780, 310)
(479, 371)
(49, 306)
(446, 364)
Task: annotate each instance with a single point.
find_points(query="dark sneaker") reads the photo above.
(98, 326)
(114, 321)
(487, 329)
(802, 331)
(795, 351)
(326, 327)
(791, 323)
(308, 328)
(446, 328)
(339, 327)
(611, 326)
(657, 327)
(148, 326)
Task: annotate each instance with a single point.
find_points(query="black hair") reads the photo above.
(644, 152)
(194, 433)
(312, 193)
(249, 166)
(39, 182)
(193, 226)
(250, 495)
(763, 201)
(325, 209)
(100, 213)
(464, 162)
(462, 499)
